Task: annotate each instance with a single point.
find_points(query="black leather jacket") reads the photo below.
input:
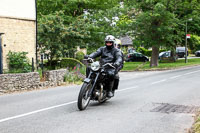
(113, 55)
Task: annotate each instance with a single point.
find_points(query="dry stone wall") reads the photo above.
(29, 81)
(55, 77)
(22, 81)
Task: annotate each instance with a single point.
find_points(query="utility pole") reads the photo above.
(186, 40)
(186, 43)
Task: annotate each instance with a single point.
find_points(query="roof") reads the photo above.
(126, 40)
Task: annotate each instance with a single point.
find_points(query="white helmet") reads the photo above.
(110, 38)
(118, 43)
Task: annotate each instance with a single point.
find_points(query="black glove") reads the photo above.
(115, 65)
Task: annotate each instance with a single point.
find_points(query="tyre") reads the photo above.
(84, 98)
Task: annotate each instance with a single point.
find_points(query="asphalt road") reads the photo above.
(146, 102)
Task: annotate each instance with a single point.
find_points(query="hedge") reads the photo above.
(70, 62)
(63, 63)
(147, 52)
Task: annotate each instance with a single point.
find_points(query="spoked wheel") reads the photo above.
(84, 98)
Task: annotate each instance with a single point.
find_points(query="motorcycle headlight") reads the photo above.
(95, 66)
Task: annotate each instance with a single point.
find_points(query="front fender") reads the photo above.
(87, 80)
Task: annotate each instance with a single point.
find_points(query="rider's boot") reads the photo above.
(110, 91)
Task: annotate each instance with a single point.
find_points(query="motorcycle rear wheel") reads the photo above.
(84, 98)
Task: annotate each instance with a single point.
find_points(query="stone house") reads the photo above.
(17, 29)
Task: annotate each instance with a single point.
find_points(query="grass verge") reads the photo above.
(196, 126)
(141, 66)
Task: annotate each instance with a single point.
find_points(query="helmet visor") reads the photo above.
(109, 42)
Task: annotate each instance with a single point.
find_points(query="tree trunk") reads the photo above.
(154, 56)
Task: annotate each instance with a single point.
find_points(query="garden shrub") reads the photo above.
(80, 55)
(52, 65)
(18, 62)
(75, 76)
(162, 50)
(194, 43)
(71, 78)
(148, 52)
(144, 51)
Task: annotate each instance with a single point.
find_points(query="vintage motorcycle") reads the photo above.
(94, 86)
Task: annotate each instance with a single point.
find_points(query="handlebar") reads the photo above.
(89, 59)
(107, 64)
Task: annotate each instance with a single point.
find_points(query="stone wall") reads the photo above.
(22, 81)
(29, 81)
(54, 77)
(20, 36)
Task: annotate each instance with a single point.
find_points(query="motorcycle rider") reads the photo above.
(116, 80)
(118, 46)
(109, 54)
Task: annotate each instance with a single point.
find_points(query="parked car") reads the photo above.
(197, 53)
(136, 57)
(166, 55)
(180, 51)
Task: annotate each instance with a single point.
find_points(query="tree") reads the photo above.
(154, 25)
(60, 40)
(65, 24)
(51, 34)
(160, 22)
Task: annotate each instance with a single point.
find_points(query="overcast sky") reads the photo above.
(18, 9)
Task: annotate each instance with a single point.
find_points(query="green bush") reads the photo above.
(52, 65)
(162, 50)
(80, 55)
(72, 78)
(194, 43)
(144, 51)
(18, 62)
(147, 52)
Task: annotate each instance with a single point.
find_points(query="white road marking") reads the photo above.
(127, 88)
(175, 76)
(159, 81)
(184, 74)
(48, 108)
(191, 72)
(37, 111)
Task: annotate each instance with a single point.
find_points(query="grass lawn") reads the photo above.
(137, 66)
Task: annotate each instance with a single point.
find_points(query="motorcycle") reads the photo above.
(94, 85)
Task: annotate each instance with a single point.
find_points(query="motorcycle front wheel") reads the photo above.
(84, 98)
